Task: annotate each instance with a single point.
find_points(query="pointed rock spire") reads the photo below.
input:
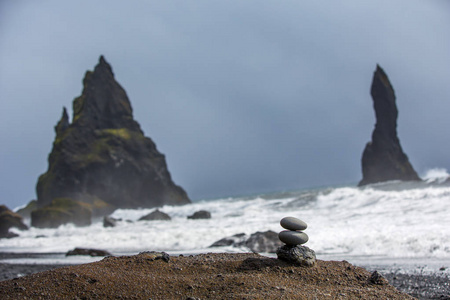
(103, 99)
(103, 157)
(383, 158)
(104, 65)
(63, 123)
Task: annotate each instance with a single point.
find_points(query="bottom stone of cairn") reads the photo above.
(298, 255)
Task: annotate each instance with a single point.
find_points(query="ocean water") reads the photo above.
(395, 223)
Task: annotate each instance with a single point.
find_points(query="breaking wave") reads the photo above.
(394, 219)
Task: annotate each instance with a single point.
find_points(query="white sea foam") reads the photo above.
(405, 223)
(392, 220)
(438, 175)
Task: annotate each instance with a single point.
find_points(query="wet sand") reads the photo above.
(431, 286)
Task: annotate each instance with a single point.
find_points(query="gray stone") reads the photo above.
(263, 242)
(290, 237)
(292, 223)
(257, 242)
(156, 215)
(234, 240)
(297, 255)
(109, 221)
(201, 214)
(90, 252)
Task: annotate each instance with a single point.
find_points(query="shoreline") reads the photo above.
(429, 285)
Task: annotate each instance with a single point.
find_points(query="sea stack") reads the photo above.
(102, 158)
(383, 158)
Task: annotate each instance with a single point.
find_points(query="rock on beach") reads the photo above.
(234, 240)
(257, 242)
(201, 214)
(90, 252)
(109, 221)
(297, 255)
(156, 215)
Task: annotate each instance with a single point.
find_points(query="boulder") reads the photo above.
(267, 241)
(297, 255)
(201, 214)
(10, 219)
(383, 158)
(9, 235)
(90, 252)
(234, 240)
(257, 242)
(102, 157)
(61, 211)
(156, 215)
(109, 221)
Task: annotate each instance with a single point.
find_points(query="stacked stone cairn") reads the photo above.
(294, 237)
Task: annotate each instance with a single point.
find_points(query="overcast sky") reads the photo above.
(242, 97)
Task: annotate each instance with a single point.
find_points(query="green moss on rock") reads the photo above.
(107, 142)
(77, 107)
(61, 211)
(122, 133)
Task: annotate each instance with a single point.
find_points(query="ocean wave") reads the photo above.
(391, 219)
(436, 175)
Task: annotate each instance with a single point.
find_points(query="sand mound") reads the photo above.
(205, 276)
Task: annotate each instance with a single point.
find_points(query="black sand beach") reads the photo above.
(433, 286)
(421, 286)
(10, 271)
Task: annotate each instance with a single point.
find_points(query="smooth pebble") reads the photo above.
(290, 237)
(292, 223)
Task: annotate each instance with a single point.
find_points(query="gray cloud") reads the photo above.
(242, 96)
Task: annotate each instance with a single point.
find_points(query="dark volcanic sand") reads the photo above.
(213, 276)
(433, 286)
(422, 286)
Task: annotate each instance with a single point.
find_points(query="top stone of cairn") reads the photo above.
(292, 223)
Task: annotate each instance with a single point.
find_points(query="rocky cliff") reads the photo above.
(383, 158)
(102, 157)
